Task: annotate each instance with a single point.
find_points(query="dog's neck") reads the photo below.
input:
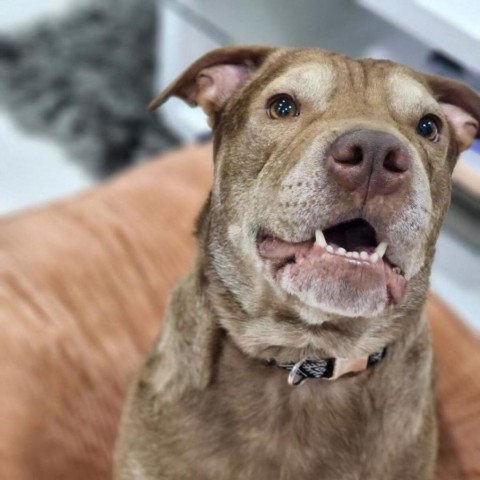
(216, 349)
(232, 361)
(273, 333)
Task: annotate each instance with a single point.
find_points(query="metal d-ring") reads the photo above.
(296, 377)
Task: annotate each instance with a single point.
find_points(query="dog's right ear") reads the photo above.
(211, 80)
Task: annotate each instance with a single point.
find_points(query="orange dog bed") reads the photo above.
(83, 286)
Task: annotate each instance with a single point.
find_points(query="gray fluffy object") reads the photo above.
(85, 81)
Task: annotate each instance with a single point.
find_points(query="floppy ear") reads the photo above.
(211, 80)
(461, 105)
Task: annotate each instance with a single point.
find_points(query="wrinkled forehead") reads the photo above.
(407, 94)
(321, 80)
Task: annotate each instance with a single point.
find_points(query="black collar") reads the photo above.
(329, 368)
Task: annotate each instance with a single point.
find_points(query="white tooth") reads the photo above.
(349, 254)
(381, 249)
(374, 257)
(341, 251)
(364, 255)
(329, 249)
(355, 255)
(320, 238)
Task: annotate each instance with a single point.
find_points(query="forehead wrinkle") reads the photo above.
(313, 82)
(408, 96)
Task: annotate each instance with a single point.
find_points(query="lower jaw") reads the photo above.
(352, 289)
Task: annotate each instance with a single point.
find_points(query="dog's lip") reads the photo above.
(283, 251)
(283, 255)
(349, 234)
(272, 246)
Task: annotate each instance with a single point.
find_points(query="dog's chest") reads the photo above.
(276, 432)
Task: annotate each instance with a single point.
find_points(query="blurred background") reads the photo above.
(76, 76)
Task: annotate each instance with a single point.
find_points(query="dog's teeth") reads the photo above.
(364, 255)
(381, 249)
(341, 251)
(329, 249)
(320, 238)
(374, 257)
(355, 255)
(349, 254)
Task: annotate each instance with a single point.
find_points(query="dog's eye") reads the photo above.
(429, 128)
(282, 106)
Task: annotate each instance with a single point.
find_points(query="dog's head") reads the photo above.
(332, 178)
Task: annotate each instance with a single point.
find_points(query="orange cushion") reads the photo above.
(457, 351)
(83, 286)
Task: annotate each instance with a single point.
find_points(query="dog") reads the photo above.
(297, 346)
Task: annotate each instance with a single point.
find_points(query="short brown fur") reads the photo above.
(206, 405)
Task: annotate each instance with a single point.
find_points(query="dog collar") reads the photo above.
(329, 368)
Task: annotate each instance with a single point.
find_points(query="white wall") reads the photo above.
(16, 14)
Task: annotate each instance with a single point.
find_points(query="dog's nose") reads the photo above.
(369, 157)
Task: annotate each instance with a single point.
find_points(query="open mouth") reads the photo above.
(342, 261)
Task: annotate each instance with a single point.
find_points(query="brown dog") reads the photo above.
(332, 177)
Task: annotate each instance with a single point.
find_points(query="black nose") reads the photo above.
(369, 157)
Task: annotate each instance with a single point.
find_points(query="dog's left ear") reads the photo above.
(461, 105)
(211, 80)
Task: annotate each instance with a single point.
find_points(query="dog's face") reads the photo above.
(332, 178)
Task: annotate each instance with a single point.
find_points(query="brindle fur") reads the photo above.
(206, 405)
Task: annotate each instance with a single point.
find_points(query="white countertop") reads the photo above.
(34, 170)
